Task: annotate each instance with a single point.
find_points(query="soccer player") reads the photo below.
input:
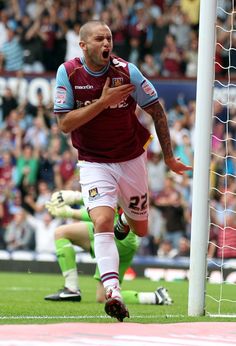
(95, 101)
(82, 234)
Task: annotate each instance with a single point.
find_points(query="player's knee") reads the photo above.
(140, 228)
(103, 223)
(60, 233)
(141, 232)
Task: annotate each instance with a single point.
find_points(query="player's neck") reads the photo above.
(93, 69)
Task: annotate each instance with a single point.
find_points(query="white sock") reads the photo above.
(147, 298)
(71, 280)
(107, 257)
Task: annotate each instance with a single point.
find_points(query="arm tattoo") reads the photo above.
(162, 130)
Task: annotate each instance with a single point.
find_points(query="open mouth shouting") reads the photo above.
(105, 54)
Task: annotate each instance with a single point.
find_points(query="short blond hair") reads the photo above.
(85, 28)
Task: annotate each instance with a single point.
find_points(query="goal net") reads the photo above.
(221, 274)
(212, 280)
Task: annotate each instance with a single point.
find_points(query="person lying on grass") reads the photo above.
(81, 234)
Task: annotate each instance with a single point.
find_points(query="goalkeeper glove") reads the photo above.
(65, 211)
(64, 197)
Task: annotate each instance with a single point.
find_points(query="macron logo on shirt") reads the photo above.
(83, 86)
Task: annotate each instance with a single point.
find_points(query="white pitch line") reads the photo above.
(91, 317)
(82, 317)
(222, 315)
(49, 317)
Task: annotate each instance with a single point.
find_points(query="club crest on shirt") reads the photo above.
(117, 81)
(93, 193)
(148, 89)
(60, 96)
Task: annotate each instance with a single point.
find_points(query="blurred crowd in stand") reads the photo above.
(161, 38)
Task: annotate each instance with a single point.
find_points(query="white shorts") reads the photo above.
(111, 184)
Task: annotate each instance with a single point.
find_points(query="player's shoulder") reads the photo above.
(72, 65)
(125, 67)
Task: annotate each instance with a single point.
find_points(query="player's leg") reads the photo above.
(100, 197)
(104, 246)
(65, 237)
(108, 261)
(125, 224)
(121, 228)
(160, 297)
(133, 198)
(127, 249)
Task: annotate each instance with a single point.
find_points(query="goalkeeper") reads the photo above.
(81, 234)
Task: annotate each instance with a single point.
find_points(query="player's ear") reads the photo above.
(82, 45)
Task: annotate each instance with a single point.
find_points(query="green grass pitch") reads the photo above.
(22, 301)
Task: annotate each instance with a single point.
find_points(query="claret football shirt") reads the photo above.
(114, 135)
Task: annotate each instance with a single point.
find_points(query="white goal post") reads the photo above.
(202, 150)
(212, 278)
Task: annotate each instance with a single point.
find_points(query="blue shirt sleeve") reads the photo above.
(145, 94)
(64, 98)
